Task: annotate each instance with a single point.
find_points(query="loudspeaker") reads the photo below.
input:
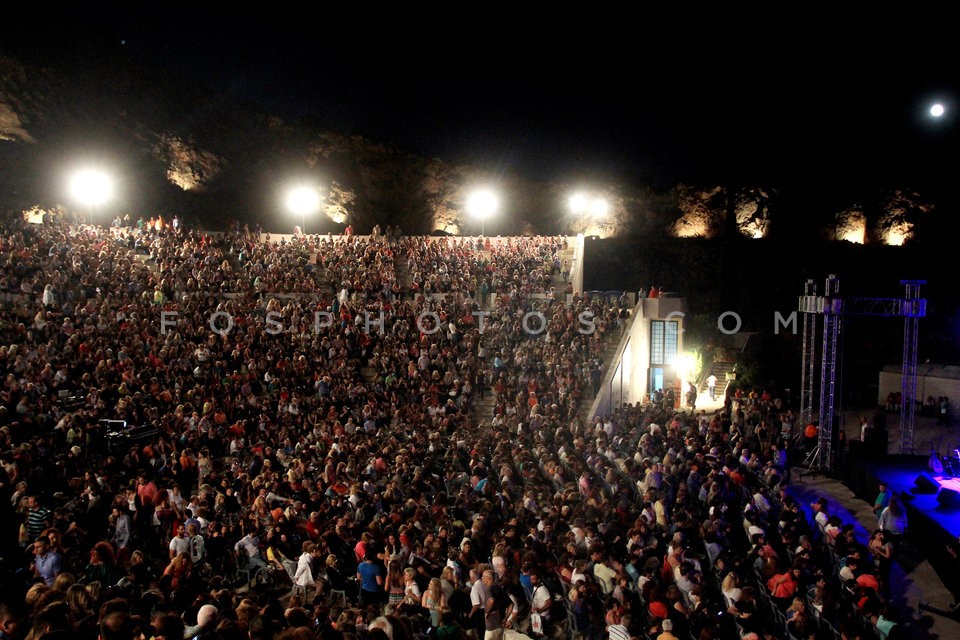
(926, 484)
(949, 499)
(877, 441)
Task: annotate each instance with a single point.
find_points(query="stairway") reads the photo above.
(613, 343)
(482, 408)
(721, 370)
(402, 272)
(559, 284)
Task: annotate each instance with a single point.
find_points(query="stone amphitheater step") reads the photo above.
(146, 261)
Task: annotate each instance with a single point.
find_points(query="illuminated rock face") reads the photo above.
(367, 182)
(337, 204)
(901, 213)
(752, 211)
(11, 128)
(35, 213)
(187, 167)
(701, 212)
(704, 211)
(850, 225)
(442, 196)
(446, 220)
(18, 98)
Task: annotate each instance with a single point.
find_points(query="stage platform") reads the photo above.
(925, 571)
(914, 577)
(901, 474)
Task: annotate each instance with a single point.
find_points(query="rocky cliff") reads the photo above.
(178, 149)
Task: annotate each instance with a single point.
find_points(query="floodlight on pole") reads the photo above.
(303, 200)
(91, 187)
(482, 204)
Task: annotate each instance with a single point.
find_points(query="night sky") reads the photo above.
(816, 94)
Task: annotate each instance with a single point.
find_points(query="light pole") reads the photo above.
(91, 187)
(303, 200)
(480, 204)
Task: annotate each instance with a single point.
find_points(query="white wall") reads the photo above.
(926, 386)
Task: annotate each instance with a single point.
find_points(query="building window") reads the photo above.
(663, 341)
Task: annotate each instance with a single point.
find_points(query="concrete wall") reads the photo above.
(626, 377)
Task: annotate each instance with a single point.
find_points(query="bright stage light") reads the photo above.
(937, 110)
(303, 200)
(482, 204)
(91, 187)
(683, 363)
(578, 203)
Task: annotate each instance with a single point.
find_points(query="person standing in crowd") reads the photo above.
(122, 532)
(393, 583)
(371, 580)
(667, 626)
(810, 434)
(893, 519)
(541, 603)
(146, 501)
(38, 517)
(883, 498)
(198, 554)
(180, 543)
(434, 601)
(712, 387)
(596, 377)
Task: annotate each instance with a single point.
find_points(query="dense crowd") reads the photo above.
(301, 456)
